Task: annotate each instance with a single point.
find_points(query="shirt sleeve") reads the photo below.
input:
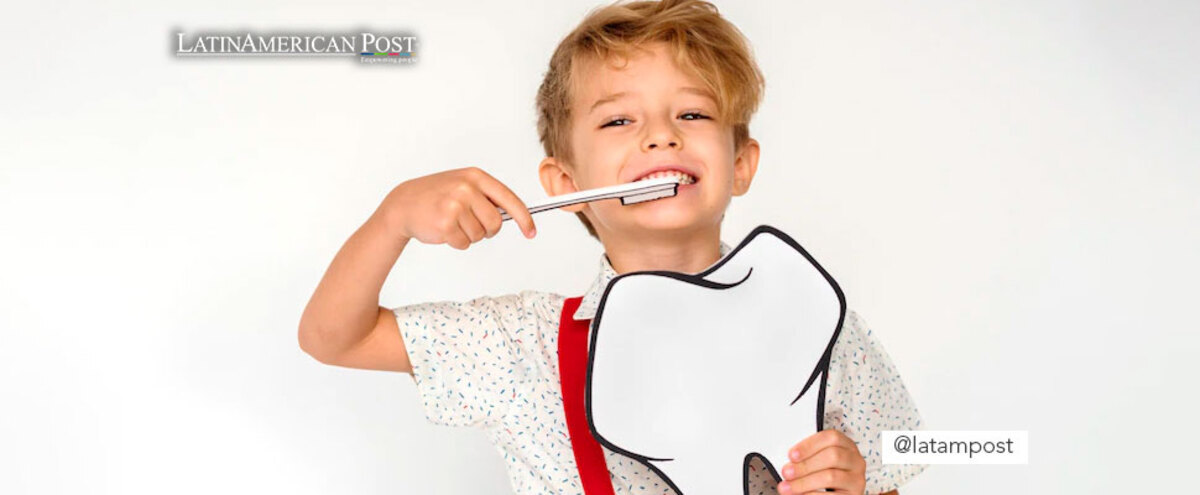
(867, 398)
(464, 357)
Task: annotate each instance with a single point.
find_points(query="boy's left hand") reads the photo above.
(826, 459)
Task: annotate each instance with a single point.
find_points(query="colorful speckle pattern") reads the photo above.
(492, 362)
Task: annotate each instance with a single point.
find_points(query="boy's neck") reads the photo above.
(685, 255)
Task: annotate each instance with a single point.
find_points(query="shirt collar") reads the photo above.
(591, 300)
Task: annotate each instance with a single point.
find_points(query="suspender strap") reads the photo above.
(572, 368)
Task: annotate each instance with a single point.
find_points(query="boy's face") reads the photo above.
(640, 117)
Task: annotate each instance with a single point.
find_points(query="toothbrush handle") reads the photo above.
(608, 192)
(555, 203)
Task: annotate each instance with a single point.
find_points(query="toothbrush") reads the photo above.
(630, 193)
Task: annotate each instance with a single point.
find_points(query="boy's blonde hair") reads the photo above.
(704, 43)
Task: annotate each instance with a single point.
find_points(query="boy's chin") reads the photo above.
(668, 219)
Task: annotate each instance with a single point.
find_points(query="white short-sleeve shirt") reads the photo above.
(492, 362)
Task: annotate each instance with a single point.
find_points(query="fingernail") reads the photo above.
(788, 471)
(785, 488)
(532, 232)
(795, 455)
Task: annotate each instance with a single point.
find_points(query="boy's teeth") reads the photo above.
(684, 178)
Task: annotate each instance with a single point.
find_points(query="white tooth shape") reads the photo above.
(693, 374)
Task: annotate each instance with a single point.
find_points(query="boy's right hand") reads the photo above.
(455, 207)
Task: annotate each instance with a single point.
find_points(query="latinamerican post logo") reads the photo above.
(366, 47)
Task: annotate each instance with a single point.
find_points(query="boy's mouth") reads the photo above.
(684, 177)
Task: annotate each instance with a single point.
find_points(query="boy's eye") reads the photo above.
(616, 122)
(621, 121)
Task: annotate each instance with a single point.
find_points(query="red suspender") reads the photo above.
(572, 368)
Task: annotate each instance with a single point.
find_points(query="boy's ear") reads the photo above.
(557, 180)
(744, 167)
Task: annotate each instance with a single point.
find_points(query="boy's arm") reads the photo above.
(381, 349)
(343, 324)
(866, 397)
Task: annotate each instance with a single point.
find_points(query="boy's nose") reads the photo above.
(663, 137)
(660, 134)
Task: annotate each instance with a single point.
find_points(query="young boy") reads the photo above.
(636, 90)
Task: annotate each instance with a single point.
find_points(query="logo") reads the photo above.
(366, 47)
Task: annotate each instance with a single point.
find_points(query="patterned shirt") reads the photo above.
(492, 362)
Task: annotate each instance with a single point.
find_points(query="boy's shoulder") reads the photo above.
(506, 305)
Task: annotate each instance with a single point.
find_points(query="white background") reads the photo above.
(1003, 189)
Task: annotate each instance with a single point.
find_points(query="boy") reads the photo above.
(637, 90)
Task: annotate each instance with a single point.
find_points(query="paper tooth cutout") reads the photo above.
(693, 375)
